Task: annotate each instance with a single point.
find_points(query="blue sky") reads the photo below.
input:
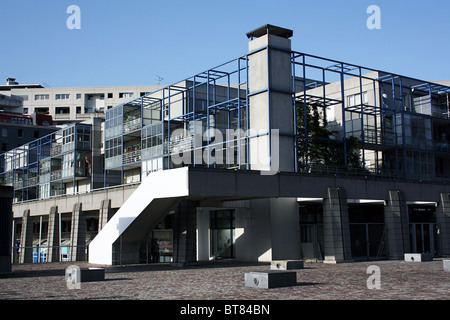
(129, 42)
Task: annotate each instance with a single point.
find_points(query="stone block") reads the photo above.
(286, 265)
(270, 279)
(446, 265)
(418, 257)
(5, 264)
(92, 274)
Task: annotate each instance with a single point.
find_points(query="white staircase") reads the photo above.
(140, 213)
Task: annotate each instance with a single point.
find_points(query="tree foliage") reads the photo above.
(318, 145)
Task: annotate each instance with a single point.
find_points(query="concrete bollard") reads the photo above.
(270, 279)
(418, 257)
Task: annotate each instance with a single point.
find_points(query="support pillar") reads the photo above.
(26, 238)
(336, 229)
(104, 214)
(443, 222)
(270, 100)
(283, 222)
(53, 254)
(396, 220)
(185, 233)
(6, 228)
(78, 234)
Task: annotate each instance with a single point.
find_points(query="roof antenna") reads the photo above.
(159, 79)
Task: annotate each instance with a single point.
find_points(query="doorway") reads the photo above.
(367, 240)
(222, 234)
(423, 230)
(367, 231)
(311, 231)
(423, 237)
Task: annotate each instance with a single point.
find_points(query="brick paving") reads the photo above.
(224, 280)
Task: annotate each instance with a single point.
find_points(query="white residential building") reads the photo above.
(67, 105)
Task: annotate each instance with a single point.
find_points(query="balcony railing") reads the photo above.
(442, 146)
(179, 145)
(56, 149)
(62, 116)
(18, 184)
(32, 181)
(441, 112)
(132, 125)
(55, 175)
(130, 157)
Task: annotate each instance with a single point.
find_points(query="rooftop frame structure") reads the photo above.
(191, 109)
(371, 102)
(382, 106)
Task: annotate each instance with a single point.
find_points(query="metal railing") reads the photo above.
(40, 254)
(345, 171)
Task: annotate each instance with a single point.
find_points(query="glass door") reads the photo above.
(222, 234)
(311, 231)
(423, 237)
(367, 231)
(367, 240)
(359, 240)
(423, 230)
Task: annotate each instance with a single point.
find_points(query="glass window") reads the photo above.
(41, 97)
(222, 234)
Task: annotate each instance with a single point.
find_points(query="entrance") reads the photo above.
(423, 237)
(367, 231)
(311, 231)
(367, 240)
(222, 234)
(423, 230)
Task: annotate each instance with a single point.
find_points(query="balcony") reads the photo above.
(56, 149)
(62, 116)
(32, 181)
(132, 125)
(442, 146)
(18, 184)
(10, 101)
(440, 112)
(181, 144)
(55, 175)
(131, 157)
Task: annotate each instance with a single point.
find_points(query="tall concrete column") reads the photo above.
(396, 221)
(336, 229)
(270, 99)
(284, 226)
(6, 228)
(185, 233)
(78, 234)
(104, 214)
(26, 238)
(53, 235)
(443, 221)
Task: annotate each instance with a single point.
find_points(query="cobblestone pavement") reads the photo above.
(224, 280)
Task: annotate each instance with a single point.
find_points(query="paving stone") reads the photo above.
(223, 280)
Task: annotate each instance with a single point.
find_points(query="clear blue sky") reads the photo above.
(128, 42)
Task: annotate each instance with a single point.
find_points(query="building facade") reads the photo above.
(274, 155)
(68, 105)
(17, 129)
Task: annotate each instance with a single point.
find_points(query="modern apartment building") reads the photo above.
(66, 161)
(68, 105)
(276, 154)
(16, 128)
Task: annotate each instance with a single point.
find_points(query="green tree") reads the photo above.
(318, 145)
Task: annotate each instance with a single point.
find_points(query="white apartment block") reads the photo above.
(68, 105)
